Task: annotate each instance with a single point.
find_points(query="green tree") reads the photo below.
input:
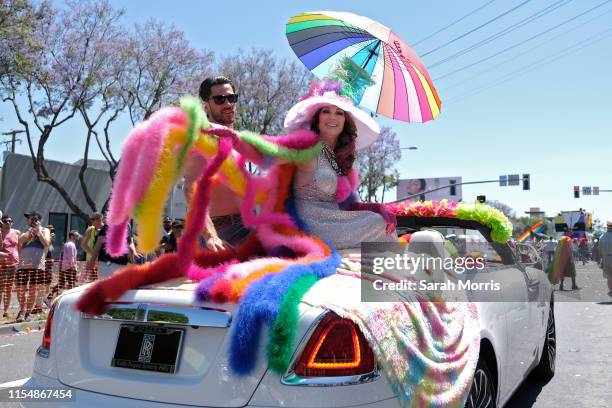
(86, 66)
(268, 87)
(376, 166)
(18, 20)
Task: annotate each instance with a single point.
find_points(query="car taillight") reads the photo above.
(336, 348)
(46, 341)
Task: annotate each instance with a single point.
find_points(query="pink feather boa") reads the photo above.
(347, 185)
(300, 139)
(199, 205)
(140, 159)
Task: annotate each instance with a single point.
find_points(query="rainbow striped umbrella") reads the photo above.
(402, 87)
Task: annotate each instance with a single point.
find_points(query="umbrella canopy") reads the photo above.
(402, 87)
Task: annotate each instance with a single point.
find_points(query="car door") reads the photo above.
(512, 300)
(531, 264)
(522, 293)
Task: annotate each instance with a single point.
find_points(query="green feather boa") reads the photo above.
(282, 333)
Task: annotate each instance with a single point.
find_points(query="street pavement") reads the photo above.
(17, 355)
(584, 350)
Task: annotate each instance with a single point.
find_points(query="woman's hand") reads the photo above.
(214, 243)
(380, 209)
(390, 219)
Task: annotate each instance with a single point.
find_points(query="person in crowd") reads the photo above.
(570, 268)
(595, 250)
(44, 281)
(583, 249)
(169, 242)
(34, 244)
(108, 264)
(339, 125)
(9, 259)
(68, 272)
(224, 227)
(548, 250)
(167, 225)
(87, 245)
(605, 255)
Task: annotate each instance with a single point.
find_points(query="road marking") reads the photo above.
(6, 345)
(16, 383)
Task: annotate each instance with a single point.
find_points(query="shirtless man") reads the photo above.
(224, 225)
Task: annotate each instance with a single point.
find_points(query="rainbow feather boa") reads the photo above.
(501, 227)
(269, 289)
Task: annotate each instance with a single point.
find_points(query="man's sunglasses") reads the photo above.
(220, 99)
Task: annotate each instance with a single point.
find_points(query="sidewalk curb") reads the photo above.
(17, 327)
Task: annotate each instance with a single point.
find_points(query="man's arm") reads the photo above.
(193, 169)
(213, 242)
(133, 252)
(24, 237)
(45, 236)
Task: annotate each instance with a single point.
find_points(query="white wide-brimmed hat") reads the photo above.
(300, 116)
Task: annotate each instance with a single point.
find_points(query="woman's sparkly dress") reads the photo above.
(317, 207)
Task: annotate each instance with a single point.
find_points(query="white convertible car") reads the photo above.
(108, 361)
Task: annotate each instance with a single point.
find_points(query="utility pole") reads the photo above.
(13, 134)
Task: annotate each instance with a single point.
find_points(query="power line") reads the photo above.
(453, 23)
(537, 64)
(547, 10)
(514, 58)
(533, 37)
(476, 29)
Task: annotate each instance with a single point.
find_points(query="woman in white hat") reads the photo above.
(324, 187)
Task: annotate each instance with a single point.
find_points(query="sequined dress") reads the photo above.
(316, 205)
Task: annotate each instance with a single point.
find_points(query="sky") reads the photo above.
(539, 106)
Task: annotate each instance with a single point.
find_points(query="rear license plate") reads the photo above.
(149, 348)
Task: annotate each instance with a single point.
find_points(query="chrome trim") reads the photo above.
(291, 378)
(156, 313)
(42, 352)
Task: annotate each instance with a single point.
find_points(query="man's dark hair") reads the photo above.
(208, 83)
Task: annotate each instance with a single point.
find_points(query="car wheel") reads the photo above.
(546, 368)
(482, 393)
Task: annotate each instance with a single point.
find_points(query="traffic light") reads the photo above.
(576, 191)
(453, 187)
(525, 181)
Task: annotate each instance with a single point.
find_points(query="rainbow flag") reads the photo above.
(537, 227)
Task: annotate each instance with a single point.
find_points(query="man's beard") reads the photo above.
(219, 120)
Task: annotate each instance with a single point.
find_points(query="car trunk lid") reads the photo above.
(202, 375)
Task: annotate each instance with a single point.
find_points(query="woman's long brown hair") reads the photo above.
(345, 146)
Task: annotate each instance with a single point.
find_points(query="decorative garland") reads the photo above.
(494, 219)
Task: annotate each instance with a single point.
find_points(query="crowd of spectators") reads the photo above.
(34, 268)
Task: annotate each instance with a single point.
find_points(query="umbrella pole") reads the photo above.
(372, 53)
